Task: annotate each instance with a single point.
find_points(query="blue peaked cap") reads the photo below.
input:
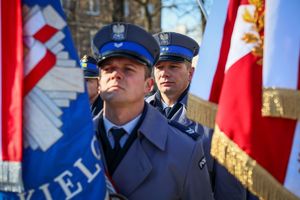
(176, 47)
(125, 40)
(89, 67)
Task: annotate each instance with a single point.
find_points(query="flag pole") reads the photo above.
(202, 9)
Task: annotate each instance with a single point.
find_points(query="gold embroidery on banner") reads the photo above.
(253, 176)
(201, 111)
(257, 21)
(279, 102)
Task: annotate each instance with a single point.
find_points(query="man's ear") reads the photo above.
(149, 85)
(191, 72)
(99, 86)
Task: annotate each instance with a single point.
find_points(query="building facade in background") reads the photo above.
(86, 17)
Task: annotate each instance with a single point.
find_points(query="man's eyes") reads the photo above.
(159, 67)
(112, 68)
(170, 67)
(129, 69)
(106, 69)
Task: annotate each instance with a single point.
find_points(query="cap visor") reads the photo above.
(123, 54)
(90, 74)
(172, 58)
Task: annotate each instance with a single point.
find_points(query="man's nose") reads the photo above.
(164, 73)
(117, 74)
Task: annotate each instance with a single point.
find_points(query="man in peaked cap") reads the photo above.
(91, 76)
(173, 73)
(146, 157)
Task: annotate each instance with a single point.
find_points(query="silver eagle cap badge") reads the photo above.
(118, 32)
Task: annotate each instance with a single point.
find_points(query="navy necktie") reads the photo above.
(112, 157)
(117, 134)
(167, 111)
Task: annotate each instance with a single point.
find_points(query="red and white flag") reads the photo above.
(256, 149)
(11, 70)
(208, 78)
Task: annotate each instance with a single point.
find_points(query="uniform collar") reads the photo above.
(182, 98)
(155, 127)
(164, 105)
(128, 127)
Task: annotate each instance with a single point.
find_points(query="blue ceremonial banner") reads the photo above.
(61, 156)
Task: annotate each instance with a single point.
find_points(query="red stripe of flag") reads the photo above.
(45, 33)
(39, 71)
(12, 77)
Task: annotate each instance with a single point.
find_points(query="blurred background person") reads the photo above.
(91, 76)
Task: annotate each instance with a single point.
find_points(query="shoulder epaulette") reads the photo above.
(185, 129)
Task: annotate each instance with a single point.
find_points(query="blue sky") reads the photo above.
(185, 16)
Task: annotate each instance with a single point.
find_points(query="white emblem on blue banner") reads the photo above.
(43, 104)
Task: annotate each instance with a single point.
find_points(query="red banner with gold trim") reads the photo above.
(253, 148)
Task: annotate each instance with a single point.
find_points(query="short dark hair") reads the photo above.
(148, 72)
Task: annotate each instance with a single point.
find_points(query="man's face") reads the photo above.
(172, 78)
(92, 87)
(123, 82)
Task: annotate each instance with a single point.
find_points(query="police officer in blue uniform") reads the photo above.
(146, 157)
(91, 76)
(173, 73)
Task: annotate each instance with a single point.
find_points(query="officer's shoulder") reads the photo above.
(184, 129)
(150, 98)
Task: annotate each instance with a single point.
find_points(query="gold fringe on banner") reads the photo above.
(247, 170)
(283, 103)
(201, 111)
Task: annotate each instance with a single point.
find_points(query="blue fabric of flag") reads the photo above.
(71, 167)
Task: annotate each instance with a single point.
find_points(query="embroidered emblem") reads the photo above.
(257, 21)
(202, 162)
(47, 53)
(118, 32)
(190, 131)
(118, 45)
(164, 38)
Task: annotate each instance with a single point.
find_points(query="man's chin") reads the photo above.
(166, 91)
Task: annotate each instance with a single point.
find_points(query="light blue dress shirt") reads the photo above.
(128, 127)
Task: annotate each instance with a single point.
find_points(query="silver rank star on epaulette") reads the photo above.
(118, 32)
(164, 39)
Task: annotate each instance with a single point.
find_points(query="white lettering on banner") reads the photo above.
(86, 171)
(95, 150)
(64, 180)
(22, 195)
(66, 185)
(46, 191)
